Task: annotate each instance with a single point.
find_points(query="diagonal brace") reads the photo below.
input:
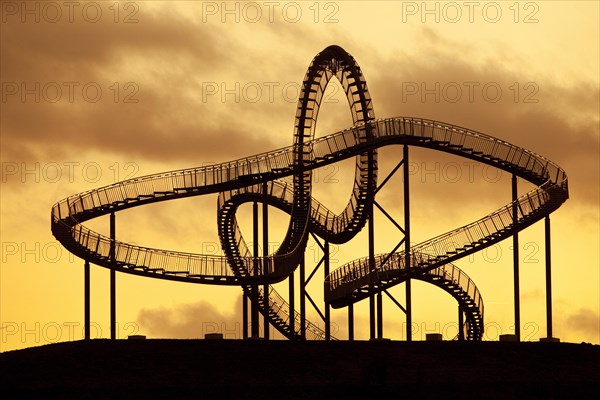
(387, 178)
(394, 300)
(389, 217)
(315, 307)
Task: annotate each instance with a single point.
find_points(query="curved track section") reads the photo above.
(287, 172)
(350, 283)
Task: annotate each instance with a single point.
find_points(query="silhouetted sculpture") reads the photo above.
(282, 178)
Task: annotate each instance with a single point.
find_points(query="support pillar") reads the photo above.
(407, 244)
(86, 299)
(379, 316)
(292, 305)
(408, 311)
(370, 195)
(461, 323)
(351, 322)
(254, 300)
(327, 306)
(302, 300)
(244, 314)
(548, 279)
(405, 240)
(515, 196)
(113, 278)
(265, 226)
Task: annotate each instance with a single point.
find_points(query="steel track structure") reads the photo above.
(282, 178)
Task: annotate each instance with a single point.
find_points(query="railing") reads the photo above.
(334, 143)
(451, 273)
(234, 176)
(357, 274)
(281, 307)
(266, 163)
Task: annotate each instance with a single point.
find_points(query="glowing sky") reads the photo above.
(98, 92)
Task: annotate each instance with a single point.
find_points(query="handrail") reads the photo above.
(552, 190)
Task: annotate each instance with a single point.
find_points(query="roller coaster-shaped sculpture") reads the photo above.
(282, 178)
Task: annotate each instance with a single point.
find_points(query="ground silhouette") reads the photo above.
(169, 369)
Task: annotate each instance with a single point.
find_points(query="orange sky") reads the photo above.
(101, 92)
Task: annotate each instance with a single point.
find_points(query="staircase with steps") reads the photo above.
(550, 193)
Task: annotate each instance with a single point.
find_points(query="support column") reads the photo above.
(379, 316)
(370, 195)
(255, 252)
(548, 279)
(351, 322)
(292, 305)
(408, 311)
(113, 283)
(86, 299)
(407, 244)
(327, 306)
(515, 196)
(302, 300)
(265, 226)
(244, 314)
(461, 322)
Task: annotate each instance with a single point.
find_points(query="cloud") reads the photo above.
(190, 321)
(170, 60)
(585, 321)
(81, 78)
(193, 320)
(559, 122)
(532, 295)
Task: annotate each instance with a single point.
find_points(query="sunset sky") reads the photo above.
(97, 92)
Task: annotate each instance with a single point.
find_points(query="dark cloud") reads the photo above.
(166, 60)
(44, 50)
(559, 122)
(170, 58)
